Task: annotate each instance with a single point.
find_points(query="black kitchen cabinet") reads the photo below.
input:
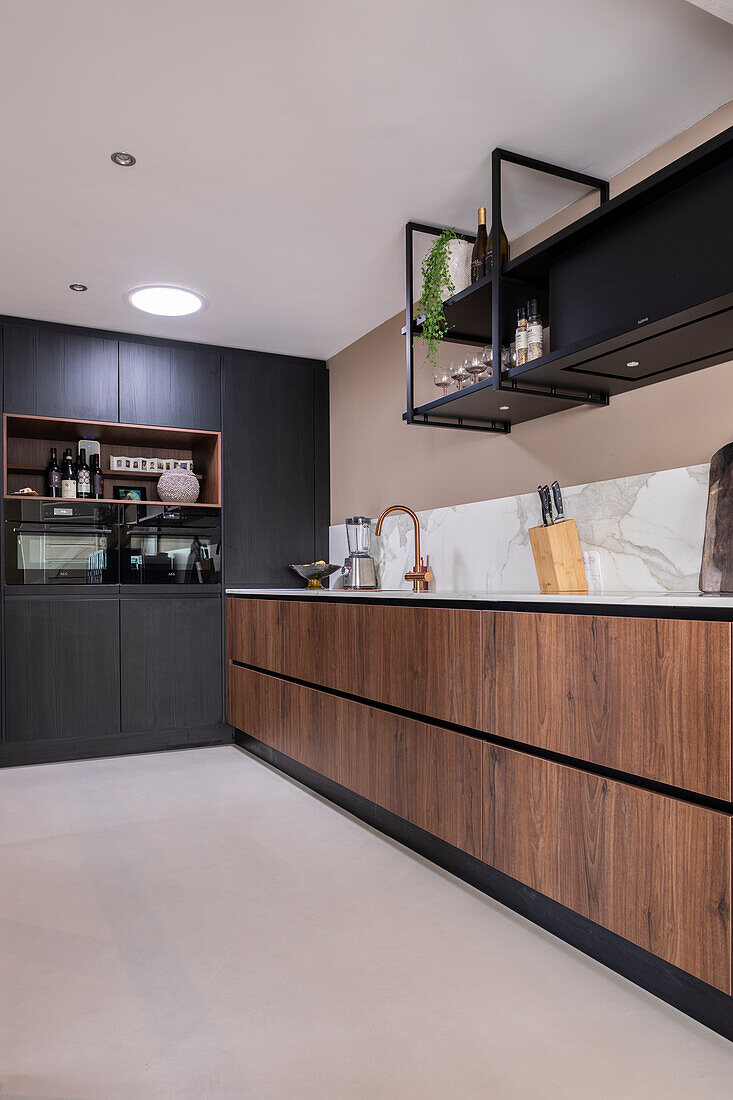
(62, 669)
(171, 663)
(275, 467)
(52, 372)
(170, 386)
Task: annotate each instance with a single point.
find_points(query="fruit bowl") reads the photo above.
(315, 572)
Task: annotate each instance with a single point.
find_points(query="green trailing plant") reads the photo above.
(436, 285)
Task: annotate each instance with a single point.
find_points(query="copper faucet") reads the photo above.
(420, 574)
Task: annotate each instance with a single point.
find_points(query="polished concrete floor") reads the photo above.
(195, 925)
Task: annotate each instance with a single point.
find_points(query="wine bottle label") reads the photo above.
(68, 489)
(83, 481)
(54, 479)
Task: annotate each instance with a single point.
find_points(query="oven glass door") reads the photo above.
(171, 556)
(44, 554)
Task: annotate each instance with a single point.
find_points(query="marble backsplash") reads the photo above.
(646, 533)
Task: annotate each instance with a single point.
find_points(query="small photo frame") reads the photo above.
(132, 494)
(144, 464)
(116, 462)
(128, 464)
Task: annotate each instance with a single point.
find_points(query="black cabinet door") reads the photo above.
(49, 372)
(171, 387)
(62, 669)
(276, 471)
(171, 663)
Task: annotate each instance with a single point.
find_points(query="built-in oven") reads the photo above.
(170, 544)
(64, 542)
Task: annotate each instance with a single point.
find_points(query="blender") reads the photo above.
(359, 569)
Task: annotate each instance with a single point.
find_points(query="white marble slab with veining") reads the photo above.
(647, 530)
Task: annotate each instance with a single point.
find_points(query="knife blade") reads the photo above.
(558, 501)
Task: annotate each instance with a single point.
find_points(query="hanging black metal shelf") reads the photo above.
(660, 248)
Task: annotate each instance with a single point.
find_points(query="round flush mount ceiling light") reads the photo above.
(633, 363)
(503, 408)
(78, 287)
(124, 160)
(165, 301)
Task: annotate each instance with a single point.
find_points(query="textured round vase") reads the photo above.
(178, 485)
(459, 264)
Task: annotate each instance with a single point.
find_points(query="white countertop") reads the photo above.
(629, 599)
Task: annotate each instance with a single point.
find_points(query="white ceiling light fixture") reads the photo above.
(123, 160)
(165, 301)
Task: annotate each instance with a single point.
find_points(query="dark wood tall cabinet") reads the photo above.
(93, 672)
(176, 387)
(171, 663)
(275, 467)
(62, 669)
(50, 371)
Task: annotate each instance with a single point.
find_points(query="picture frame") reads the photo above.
(131, 494)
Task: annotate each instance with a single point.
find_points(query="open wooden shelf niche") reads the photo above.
(27, 440)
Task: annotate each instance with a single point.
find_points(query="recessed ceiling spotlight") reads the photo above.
(124, 160)
(633, 363)
(503, 408)
(78, 287)
(165, 301)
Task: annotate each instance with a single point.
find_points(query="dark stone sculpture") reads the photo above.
(716, 571)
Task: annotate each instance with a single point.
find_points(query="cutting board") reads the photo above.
(716, 571)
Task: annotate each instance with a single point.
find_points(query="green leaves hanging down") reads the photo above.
(436, 284)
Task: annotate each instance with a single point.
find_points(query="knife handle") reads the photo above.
(558, 499)
(541, 492)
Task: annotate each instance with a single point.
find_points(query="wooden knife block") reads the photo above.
(558, 558)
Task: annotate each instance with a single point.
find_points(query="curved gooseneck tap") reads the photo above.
(420, 574)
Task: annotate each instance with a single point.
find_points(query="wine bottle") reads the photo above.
(97, 479)
(534, 331)
(504, 247)
(478, 256)
(83, 476)
(68, 477)
(53, 475)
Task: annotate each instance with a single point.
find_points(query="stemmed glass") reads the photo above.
(474, 365)
(458, 373)
(487, 358)
(442, 378)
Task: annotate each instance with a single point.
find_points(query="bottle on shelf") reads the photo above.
(97, 478)
(504, 247)
(83, 476)
(520, 336)
(534, 331)
(480, 247)
(53, 475)
(68, 476)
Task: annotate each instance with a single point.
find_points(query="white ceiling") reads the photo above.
(282, 146)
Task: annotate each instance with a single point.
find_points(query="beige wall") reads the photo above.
(377, 460)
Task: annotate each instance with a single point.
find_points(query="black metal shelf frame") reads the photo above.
(430, 414)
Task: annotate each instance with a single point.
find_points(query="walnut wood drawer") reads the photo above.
(650, 697)
(654, 869)
(426, 775)
(425, 660)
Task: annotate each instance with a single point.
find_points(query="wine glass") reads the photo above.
(487, 358)
(458, 373)
(442, 378)
(474, 365)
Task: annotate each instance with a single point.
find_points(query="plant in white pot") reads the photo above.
(444, 263)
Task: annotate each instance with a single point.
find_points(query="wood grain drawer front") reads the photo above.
(428, 776)
(655, 870)
(299, 722)
(425, 660)
(649, 697)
